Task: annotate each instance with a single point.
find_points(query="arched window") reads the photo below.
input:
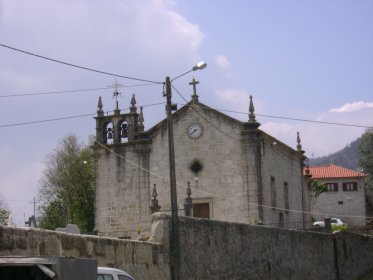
(108, 133)
(123, 132)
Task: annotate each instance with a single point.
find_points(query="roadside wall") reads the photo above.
(219, 250)
(209, 250)
(143, 260)
(222, 250)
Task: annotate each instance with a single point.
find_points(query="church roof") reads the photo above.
(333, 171)
(183, 109)
(198, 104)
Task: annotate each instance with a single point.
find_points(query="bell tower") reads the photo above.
(122, 182)
(118, 128)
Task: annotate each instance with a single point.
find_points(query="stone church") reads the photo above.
(231, 170)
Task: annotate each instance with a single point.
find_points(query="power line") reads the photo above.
(286, 118)
(71, 91)
(78, 66)
(46, 120)
(313, 121)
(68, 117)
(154, 82)
(192, 106)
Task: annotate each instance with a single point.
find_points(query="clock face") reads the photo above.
(195, 130)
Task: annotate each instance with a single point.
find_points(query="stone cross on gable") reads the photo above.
(194, 83)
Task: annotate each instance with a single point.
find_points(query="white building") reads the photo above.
(345, 195)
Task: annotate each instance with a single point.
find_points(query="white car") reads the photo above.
(334, 221)
(108, 273)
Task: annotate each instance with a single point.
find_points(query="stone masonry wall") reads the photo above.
(122, 190)
(222, 180)
(284, 166)
(143, 260)
(209, 250)
(221, 250)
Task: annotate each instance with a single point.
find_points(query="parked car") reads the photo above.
(108, 273)
(334, 221)
(47, 267)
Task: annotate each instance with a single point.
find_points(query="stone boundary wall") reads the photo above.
(143, 260)
(209, 250)
(222, 250)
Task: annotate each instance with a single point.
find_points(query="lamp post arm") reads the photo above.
(177, 77)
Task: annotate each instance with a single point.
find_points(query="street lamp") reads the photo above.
(175, 240)
(199, 66)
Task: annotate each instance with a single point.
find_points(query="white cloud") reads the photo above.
(138, 37)
(354, 106)
(222, 61)
(234, 98)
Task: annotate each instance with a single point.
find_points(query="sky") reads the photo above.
(308, 60)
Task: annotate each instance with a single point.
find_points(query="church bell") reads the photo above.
(124, 130)
(110, 133)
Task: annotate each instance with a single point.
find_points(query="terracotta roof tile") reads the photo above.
(333, 171)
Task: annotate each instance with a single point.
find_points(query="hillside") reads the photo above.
(347, 157)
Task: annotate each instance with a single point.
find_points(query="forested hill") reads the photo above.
(346, 157)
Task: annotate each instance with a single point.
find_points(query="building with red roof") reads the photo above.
(345, 196)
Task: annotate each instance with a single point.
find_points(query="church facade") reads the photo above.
(232, 170)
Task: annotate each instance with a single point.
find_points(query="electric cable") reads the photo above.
(290, 118)
(68, 117)
(46, 120)
(155, 82)
(78, 66)
(73, 91)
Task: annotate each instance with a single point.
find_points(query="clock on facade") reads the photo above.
(194, 130)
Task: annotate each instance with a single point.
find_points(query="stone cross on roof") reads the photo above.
(194, 83)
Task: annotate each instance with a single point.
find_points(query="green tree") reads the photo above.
(317, 188)
(67, 190)
(4, 212)
(4, 217)
(365, 155)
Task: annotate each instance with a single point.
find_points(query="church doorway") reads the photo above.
(201, 210)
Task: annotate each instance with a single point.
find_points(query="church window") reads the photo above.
(124, 132)
(196, 167)
(286, 197)
(108, 133)
(281, 222)
(273, 192)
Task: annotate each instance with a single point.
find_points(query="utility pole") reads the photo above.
(34, 207)
(175, 240)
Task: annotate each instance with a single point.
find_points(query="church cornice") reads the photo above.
(121, 145)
